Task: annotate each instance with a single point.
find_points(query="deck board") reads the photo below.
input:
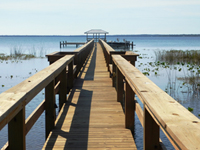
(91, 118)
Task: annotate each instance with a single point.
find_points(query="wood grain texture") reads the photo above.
(91, 118)
(182, 126)
(12, 100)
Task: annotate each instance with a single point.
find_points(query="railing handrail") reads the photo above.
(108, 48)
(180, 125)
(59, 76)
(13, 99)
(84, 46)
(78, 50)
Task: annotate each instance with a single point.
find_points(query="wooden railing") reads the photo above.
(160, 110)
(65, 43)
(59, 75)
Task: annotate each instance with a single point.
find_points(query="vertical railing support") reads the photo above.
(129, 107)
(70, 77)
(62, 88)
(120, 85)
(16, 131)
(151, 132)
(108, 60)
(114, 75)
(50, 107)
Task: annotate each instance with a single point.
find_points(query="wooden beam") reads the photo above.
(120, 85)
(16, 131)
(151, 132)
(129, 108)
(62, 88)
(33, 117)
(50, 115)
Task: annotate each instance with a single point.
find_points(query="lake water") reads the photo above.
(15, 71)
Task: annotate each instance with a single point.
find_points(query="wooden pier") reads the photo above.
(91, 115)
(91, 118)
(126, 44)
(65, 43)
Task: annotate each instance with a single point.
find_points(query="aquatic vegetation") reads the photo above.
(146, 73)
(18, 53)
(178, 56)
(190, 109)
(16, 56)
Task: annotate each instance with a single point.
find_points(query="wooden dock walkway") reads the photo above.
(91, 118)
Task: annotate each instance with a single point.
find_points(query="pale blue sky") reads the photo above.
(74, 17)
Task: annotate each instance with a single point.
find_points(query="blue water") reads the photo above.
(42, 45)
(51, 43)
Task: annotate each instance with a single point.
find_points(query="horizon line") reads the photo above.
(107, 35)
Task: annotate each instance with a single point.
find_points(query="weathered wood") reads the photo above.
(33, 117)
(62, 89)
(70, 77)
(151, 132)
(177, 122)
(50, 115)
(30, 121)
(114, 75)
(120, 85)
(129, 107)
(11, 100)
(91, 118)
(16, 131)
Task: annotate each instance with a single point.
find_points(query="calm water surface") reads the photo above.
(15, 71)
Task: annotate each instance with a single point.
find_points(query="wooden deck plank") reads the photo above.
(91, 118)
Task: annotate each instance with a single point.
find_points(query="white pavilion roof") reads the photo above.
(96, 31)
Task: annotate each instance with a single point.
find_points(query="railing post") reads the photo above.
(50, 114)
(70, 78)
(129, 108)
(62, 88)
(16, 131)
(120, 85)
(60, 44)
(133, 61)
(107, 60)
(114, 75)
(151, 132)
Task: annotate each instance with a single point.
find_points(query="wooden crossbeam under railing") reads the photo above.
(14, 100)
(160, 110)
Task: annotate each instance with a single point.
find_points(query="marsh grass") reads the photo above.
(17, 53)
(173, 56)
